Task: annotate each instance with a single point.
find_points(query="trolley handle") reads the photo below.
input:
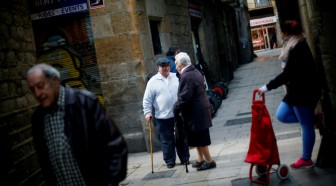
(255, 91)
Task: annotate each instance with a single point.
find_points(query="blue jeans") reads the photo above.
(165, 128)
(305, 116)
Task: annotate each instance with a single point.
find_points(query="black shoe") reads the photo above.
(197, 164)
(169, 166)
(206, 166)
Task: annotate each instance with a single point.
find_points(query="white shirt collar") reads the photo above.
(162, 77)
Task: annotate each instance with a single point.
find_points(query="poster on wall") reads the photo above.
(66, 42)
(96, 4)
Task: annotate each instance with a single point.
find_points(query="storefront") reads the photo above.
(263, 32)
(64, 39)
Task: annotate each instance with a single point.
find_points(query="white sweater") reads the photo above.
(162, 95)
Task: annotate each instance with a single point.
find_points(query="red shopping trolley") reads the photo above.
(263, 149)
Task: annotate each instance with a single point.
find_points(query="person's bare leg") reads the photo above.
(204, 151)
(200, 156)
(209, 162)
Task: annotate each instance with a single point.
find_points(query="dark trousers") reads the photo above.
(165, 128)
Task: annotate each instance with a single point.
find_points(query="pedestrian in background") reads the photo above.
(303, 84)
(75, 141)
(172, 52)
(194, 108)
(161, 93)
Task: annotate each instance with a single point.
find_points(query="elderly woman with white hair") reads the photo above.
(193, 106)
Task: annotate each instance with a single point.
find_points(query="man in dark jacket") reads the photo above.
(75, 141)
(194, 107)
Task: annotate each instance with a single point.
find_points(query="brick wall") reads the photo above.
(18, 160)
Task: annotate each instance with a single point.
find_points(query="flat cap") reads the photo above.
(162, 61)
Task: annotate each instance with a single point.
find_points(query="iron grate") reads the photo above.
(159, 175)
(238, 121)
(288, 136)
(244, 113)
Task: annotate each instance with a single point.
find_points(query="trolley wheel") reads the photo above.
(283, 172)
(260, 170)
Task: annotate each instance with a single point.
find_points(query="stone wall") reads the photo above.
(220, 41)
(211, 40)
(178, 26)
(317, 22)
(17, 53)
(217, 48)
(117, 29)
(125, 56)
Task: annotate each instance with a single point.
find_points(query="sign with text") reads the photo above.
(263, 21)
(194, 10)
(41, 9)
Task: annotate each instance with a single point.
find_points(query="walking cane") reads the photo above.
(184, 154)
(184, 147)
(181, 133)
(150, 143)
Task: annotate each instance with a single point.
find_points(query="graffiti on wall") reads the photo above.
(66, 42)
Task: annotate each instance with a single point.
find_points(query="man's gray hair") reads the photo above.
(182, 59)
(48, 70)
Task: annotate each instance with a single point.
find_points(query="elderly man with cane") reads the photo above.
(161, 93)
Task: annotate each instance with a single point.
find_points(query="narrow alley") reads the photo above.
(230, 137)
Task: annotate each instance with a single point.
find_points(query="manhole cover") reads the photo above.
(159, 175)
(238, 121)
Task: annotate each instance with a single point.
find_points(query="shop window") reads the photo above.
(154, 27)
(262, 3)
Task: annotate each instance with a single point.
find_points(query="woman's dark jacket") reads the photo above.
(97, 143)
(192, 100)
(301, 76)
